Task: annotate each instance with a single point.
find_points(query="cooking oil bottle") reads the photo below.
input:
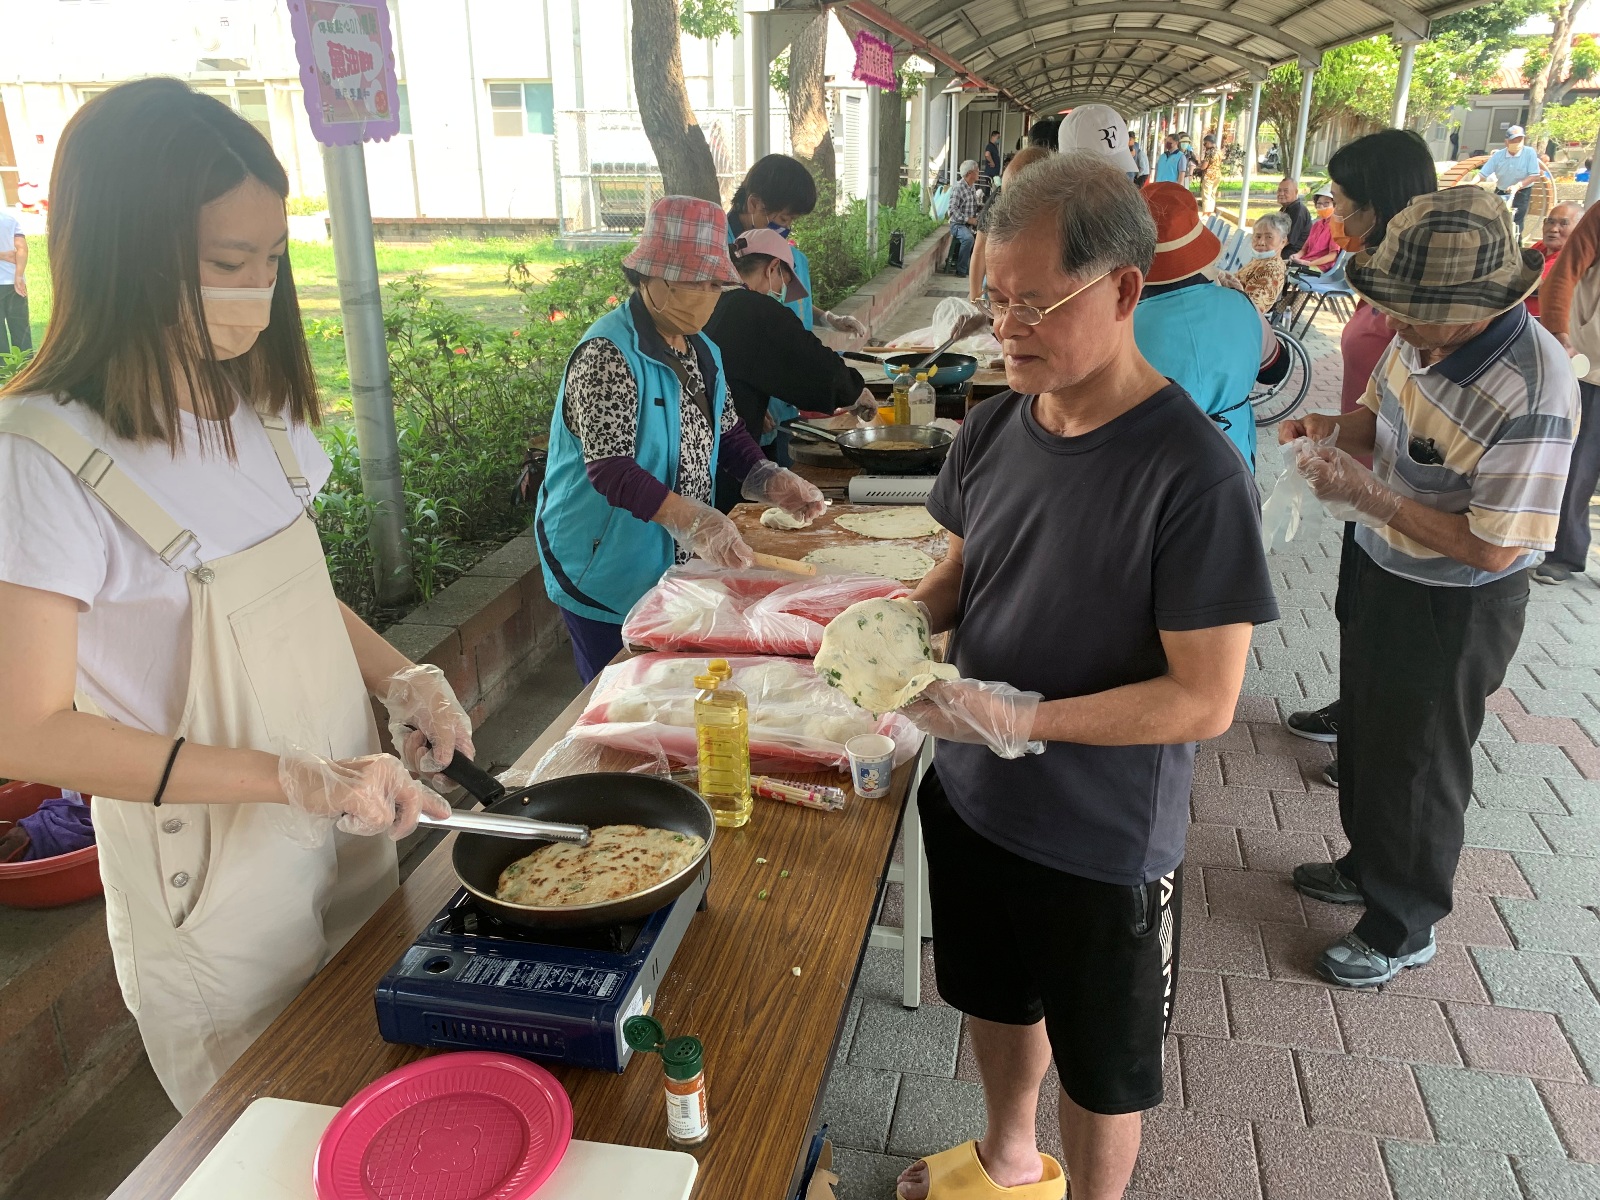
(922, 400)
(902, 396)
(722, 732)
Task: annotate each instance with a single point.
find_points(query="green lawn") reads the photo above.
(470, 275)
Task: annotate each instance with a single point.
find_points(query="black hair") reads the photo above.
(1045, 132)
(635, 280)
(751, 262)
(994, 133)
(1384, 171)
(781, 183)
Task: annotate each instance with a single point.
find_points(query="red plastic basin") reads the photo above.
(45, 882)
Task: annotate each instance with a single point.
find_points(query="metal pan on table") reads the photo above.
(856, 445)
(581, 800)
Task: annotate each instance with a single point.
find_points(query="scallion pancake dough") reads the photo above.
(777, 518)
(891, 523)
(905, 563)
(877, 653)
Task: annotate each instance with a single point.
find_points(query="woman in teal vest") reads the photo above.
(1208, 339)
(640, 425)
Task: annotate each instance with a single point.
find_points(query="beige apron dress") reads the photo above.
(217, 915)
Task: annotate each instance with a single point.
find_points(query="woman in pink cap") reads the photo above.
(641, 426)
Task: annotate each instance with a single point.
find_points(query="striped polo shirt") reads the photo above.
(1501, 412)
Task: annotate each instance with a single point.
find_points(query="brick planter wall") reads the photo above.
(883, 295)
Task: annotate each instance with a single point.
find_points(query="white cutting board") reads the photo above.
(268, 1152)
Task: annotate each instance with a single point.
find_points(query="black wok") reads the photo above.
(856, 445)
(598, 799)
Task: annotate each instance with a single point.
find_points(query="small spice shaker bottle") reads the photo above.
(683, 1060)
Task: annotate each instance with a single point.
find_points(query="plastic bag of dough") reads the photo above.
(700, 608)
(796, 720)
(1292, 510)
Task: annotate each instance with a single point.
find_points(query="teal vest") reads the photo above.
(598, 560)
(1207, 339)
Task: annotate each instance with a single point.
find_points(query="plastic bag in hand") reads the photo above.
(426, 721)
(369, 795)
(705, 533)
(1291, 509)
(768, 483)
(979, 713)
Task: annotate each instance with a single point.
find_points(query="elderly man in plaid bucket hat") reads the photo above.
(1469, 419)
(641, 424)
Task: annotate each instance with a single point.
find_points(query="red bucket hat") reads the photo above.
(686, 241)
(1184, 246)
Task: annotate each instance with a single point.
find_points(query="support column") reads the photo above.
(1308, 78)
(371, 391)
(1250, 151)
(1592, 192)
(872, 170)
(760, 40)
(1402, 86)
(925, 105)
(952, 158)
(1222, 114)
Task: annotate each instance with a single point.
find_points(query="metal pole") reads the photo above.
(1592, 192)
(372, 397)
(872, 172)
(1309, 77)
(951, 160)
(760, 85)
(1402, 87)
(925, 103)
(1250, 151)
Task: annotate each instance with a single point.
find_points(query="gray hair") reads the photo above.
(1277, 221)
(1100, 217)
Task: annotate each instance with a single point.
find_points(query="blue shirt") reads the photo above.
(1509, 170)
(1169, 167)
(8, 242)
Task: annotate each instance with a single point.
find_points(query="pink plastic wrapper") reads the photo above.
(706, 609)
(797, 721)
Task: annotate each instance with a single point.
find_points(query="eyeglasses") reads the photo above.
(997, 310)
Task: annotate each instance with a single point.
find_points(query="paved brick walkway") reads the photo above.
(1473, 1078)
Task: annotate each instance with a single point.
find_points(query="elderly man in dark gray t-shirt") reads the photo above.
(1105, 569)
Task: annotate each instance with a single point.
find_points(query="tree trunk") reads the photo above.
(809, 132)
(687, 168)
(1555, 61)
(891, 146)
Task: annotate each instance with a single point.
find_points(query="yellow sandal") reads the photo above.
(957, 1174)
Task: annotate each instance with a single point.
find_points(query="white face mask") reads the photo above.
(1266, 254)
(235, 317)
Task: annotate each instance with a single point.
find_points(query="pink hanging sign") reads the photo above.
(874, 61)
(346, 56)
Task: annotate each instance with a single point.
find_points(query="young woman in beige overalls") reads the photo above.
(168, 633)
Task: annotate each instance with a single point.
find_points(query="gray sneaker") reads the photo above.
(1351, 963)
(1324, 881)
(1552, 572)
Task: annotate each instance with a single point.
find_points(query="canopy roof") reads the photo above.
(1047, 55)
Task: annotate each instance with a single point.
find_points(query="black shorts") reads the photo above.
(1014, 942)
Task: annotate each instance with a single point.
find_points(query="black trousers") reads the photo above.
(1572, 537)
(14, 329)
(1416, 664)
(1519, 207)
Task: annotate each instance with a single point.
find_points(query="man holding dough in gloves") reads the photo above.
(1106, 564)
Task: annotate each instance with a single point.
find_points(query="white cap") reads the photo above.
(1513, 132)
(1097, 129)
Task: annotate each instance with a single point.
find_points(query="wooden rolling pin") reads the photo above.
(794, 566)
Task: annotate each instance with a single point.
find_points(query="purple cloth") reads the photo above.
(59, 827)
(625, 484)
(740, 452)
(594, 643)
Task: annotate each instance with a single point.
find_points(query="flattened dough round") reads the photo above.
(905, 563)
(776, 518)
(877, 653)
(891, 523)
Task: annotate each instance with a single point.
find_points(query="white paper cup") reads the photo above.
(871, 764)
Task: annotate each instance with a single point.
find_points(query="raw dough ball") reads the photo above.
(877, 653)
(905, 563)
(776, 518)
(905, 522)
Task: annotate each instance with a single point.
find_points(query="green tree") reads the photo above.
(710, 19)
(1568, 124)
(1343, 81)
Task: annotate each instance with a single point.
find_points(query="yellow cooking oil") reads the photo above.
(902, 396)
(722, 733)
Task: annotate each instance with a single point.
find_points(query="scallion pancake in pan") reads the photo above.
(620, 860)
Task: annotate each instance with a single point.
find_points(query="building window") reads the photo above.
(522, 108)
(403, 98)
(248, 101)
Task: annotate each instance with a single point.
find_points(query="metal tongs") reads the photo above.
(487, 790)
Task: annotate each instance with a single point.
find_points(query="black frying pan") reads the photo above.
(598, 799)
(856, 445)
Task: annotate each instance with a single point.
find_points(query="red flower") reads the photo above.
(459, 350)
(612, 300)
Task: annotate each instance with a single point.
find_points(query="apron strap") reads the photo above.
(277, 430)
(98, 472)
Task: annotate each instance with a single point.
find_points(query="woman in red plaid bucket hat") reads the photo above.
(641, 426)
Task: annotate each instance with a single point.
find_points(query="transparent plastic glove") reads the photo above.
(706, 533)
(843, 324)
(366, 796)
(768, 483)
(1290, 510)
(1348, 490)
(426, 721)
(995, 715)
(865, 409)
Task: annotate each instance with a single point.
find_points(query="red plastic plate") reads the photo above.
(469, 1126)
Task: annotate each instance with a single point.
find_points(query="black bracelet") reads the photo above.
(161, 789)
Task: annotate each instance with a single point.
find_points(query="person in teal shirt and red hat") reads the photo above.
(641, 424)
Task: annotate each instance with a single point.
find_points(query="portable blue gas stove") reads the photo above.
(474, 982)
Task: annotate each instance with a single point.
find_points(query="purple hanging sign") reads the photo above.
(874, 61)
(346, 56)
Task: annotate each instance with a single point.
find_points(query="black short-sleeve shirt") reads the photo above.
(1078, 552)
